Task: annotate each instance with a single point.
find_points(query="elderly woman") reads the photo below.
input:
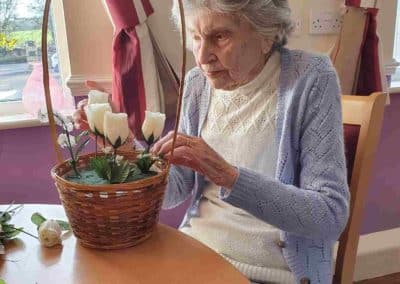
(260, 150)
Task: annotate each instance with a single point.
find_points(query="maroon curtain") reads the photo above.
(128, 91)
(355, 3)
(369, 78)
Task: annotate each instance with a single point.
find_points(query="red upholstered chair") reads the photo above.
(362, 118)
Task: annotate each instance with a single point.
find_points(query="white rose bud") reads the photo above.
(116, 126)
(95, 116)
(97, 97)
(153, 124)
(50, 233)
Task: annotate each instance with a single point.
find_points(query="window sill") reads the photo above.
(24, 120)
(394, 88)
(19, 121)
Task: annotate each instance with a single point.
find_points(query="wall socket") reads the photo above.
(327, 22)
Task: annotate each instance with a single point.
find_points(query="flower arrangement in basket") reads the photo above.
(112, 198)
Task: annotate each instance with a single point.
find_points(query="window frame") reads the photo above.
(14, 114)
(80, 26)
(387, 32)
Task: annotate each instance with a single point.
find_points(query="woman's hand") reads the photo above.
(195, 153)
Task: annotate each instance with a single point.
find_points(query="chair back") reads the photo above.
(362, 119)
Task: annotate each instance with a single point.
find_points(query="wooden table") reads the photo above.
(168, 256)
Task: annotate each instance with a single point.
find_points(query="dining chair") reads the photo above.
(362, 119)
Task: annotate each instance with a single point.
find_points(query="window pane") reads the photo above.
(397, 38)
(396, 76)
(20, 47)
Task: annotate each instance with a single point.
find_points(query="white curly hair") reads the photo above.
(271, 18)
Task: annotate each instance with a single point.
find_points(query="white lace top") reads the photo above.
(240, 126)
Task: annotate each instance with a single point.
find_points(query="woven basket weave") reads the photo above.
(109, 216)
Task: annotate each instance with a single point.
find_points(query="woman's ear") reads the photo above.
(266, 45)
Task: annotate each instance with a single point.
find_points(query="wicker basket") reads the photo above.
(110, 216)
(117, 215)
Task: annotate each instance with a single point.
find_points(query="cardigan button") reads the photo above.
(281, 244)
(305, 280)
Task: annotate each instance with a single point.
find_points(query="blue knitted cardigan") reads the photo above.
(308, 200)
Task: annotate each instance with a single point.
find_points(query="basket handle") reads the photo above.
(47, 88)
(46, 83)
(181, 85)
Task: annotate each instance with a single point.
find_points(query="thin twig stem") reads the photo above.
(95, 153)
(25, 232)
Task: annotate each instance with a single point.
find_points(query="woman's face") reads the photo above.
(226, 48)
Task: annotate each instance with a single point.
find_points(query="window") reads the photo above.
(389, 31)
(20, 60)
(396, 76)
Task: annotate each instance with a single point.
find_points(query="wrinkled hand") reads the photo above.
(195, 153)
(80, 119)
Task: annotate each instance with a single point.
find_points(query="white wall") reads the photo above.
(166, 34)
(84, 38)
(301, 10)
(386, 29)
